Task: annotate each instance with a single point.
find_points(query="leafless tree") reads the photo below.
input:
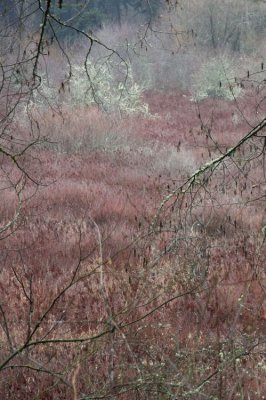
(174, 259)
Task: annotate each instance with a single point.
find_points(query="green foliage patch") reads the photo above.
(111, 87)
(215, 79)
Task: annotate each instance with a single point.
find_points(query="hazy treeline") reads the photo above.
(83, 14)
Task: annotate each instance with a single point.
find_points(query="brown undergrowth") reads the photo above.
(180, 310)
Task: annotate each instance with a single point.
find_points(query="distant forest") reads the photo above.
(85, 14)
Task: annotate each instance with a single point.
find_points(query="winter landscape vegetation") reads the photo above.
(133, 208)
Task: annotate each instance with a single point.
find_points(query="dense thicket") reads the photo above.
(132, 188)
